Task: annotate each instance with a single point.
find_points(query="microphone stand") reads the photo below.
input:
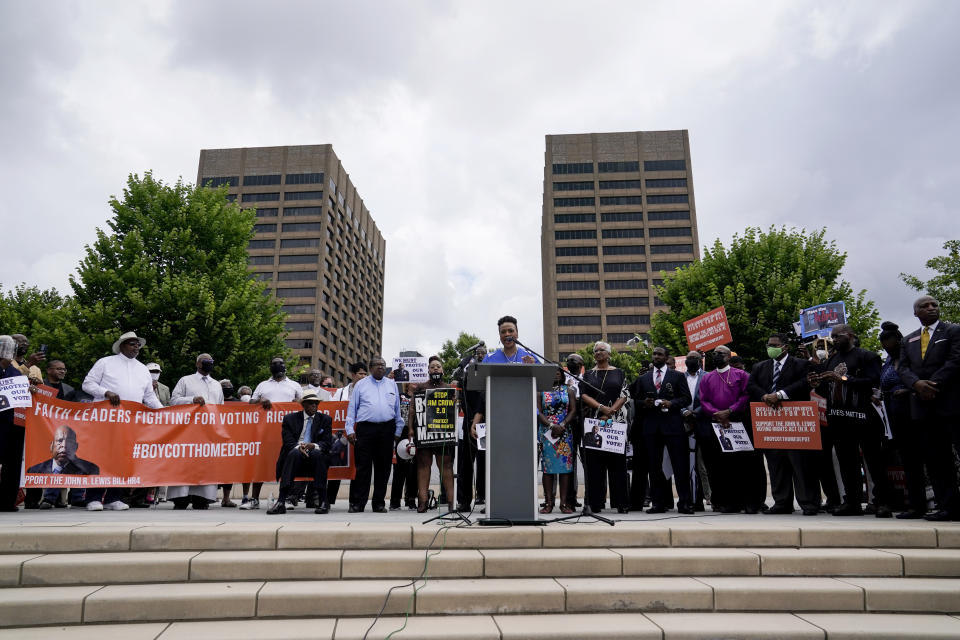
(587, 512)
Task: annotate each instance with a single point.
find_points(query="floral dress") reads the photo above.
(555, 456)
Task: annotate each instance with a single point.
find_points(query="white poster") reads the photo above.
(414, 369)
(604, 435)
(733, 439)
(15, 393)
(481, 436)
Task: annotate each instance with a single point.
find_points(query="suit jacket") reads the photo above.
(321, 434)
(941, 364)
(74, 466)
(792, 380)
(673, 388)
(64, 391)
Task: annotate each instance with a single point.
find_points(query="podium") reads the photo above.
(511, 416)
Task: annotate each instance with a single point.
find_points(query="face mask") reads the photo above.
(822, 354)
(720, 359)
(227, 392)
(278, 368)
(245, 397)
(155, 375)
(436, 377)
(206, 366)
(693, 365)
(775, 352)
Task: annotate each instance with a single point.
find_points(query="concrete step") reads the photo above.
(606, 626)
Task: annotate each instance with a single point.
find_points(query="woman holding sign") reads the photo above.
(556, 410)
(433, 429)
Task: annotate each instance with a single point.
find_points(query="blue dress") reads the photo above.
(555, 456)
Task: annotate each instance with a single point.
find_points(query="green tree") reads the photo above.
(173, 268)
(945, 287)
(450, 351)
(633, 360)
(42, 316)
(763, 280)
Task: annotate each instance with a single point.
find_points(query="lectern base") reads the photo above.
(503, 522)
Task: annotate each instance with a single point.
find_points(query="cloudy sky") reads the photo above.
(811, 114)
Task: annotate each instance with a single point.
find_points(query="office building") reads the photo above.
(316, 246)
(618, 213)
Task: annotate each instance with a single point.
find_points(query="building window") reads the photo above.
(622, 338)
(261, 197)
(679, 198)
(262, 276)
(575, 251)
(565, 218)
(668, 215)
(578, 303)
(295, 309)
(299, 343)
(578, 285)
(302, 211)
(623, 233)
(624, 267)
(620, 184)
(622, 216)
(299, 243)
(625, 284)
(577, 321)
(261, 244)
(670, 232)
(231, 197)
(304, 178)
(666, 183)
(300, 259)
(671, 248)
(299, 326)
(297, 275)
(628, 319)
(629, 301)
(297, 292)
(260, 181)
(268, 212)
(658, 302)
(303, 195)
(618, 167)
(218, 181)
(658, 282)
(577, 268)
(669, 266)
(618, 200)
(265, 228)
(573, 202)
(578, 338)
(573, 186)
(577, 234)
(665, 165)
(567, 168)
(294, 227)
(624, 250)
(260, 260)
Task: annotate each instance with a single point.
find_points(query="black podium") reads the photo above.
(511, 416)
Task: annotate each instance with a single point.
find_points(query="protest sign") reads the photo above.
(15, 393)
(131, 445)
(821, 407)
(414, 368)
(732, 439)
(821, 319)
(604, 436)
(792, 425)
(481, 436)
(708, 331)
(440, 422)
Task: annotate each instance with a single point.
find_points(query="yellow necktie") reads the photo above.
(924, 341)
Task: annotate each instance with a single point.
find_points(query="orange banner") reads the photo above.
(132, 445)
(793, 425)
(708, 331)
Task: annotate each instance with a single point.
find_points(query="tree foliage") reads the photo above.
(173, 268)
(945, 287)
(763, 280)
(634, 360)
(42, 316)
(450, 352)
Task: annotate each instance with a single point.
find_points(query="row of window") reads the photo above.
(299, 325)
(263, 180)
(586, 321)
(587, 185)
(569, 168)
(594, 285)
(591, 234)
(286, 243)
(677, 198)
(622, 267)
(583, 338)
(620, 216)
(274, 196)
(273, 212)
(594, 303)
(296, 259)
(623, 250)
(287, 227)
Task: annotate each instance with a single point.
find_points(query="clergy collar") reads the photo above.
(723, 369)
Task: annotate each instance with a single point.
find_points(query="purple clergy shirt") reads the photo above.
(718, 392)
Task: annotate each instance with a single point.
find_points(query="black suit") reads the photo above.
(665, 429)
(936, 423)
(292, 463)
(74, 466)
(789, 468)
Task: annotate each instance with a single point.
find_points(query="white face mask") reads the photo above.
(822, 354)
(245, 397)
(155, 375)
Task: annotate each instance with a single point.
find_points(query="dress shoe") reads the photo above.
(479, 501)
(313, 504)
(394, 507)
(910, 515)
(686, 510)
(699, 507)
(938, 516)
(848, 509)
(464, 508)
(565, 508)
(228, 504)
(776, 510)
(380, 509)
(422, 508)
(354, 509)
(726, 509)
(751, 510)
(883, 511)
(277, 509)
(45, 504)
(623, 510)
(411, 504)
(653, 509)
(811, 512)
(322, 509)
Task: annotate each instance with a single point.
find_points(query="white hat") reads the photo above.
(153, 366)
(129, 335)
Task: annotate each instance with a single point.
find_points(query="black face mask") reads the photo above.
(228, 392)
(278, 368)
(436, 377)
(720, 360)
(573, 367)
(693, 365)
(206, 366)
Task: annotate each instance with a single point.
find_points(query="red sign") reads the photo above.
(821, 405)
(708, 331)
(792, 425)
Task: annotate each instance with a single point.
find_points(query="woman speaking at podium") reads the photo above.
(511, 351)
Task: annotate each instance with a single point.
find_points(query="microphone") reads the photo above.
(479, 344)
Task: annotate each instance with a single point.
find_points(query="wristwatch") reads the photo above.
(843, 378)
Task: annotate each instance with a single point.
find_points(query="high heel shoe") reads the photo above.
(565, 508)
(547, 508)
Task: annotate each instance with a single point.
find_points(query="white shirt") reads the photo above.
(930, 328)
(195, 385)
(126, 377)
(343, 393)
(285, 390)
(322, 393)
(692, 385)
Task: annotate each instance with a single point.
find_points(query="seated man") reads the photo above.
(307, 438)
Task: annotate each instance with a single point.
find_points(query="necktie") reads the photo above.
(924, 341)
(656, 382)
(776, 376)
(305, 434)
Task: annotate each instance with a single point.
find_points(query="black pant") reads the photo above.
(11, 456)
(795, 469)
(374, 455)
(679, 451)
(737, 479)
(404, 482)
(314, 464)
(939, 435)
(826, 472)
(467, 457)
(909, 445)
(850, 438)
(601, 465)
(639, 482)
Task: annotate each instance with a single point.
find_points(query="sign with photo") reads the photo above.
(15, 393)
(732, 439)
(821, 319)
(414, 369)
(603, 435)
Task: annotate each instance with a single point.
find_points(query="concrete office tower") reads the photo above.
(316, 246)
(618, 212)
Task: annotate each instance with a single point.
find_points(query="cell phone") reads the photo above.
(43, 349)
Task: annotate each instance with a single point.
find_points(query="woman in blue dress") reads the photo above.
(556, 411)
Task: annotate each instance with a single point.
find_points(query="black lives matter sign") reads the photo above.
(436, 412)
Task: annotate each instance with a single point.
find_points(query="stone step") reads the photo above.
(232, 536)
(21, 606)
(605, 626)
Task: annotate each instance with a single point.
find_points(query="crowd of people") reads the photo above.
(903, 411)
